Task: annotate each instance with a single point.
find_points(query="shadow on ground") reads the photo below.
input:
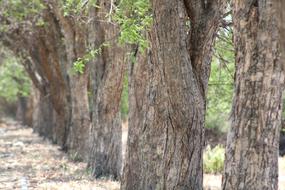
(28, 160)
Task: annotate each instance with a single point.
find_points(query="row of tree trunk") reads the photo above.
(78, 111)
(167, 92)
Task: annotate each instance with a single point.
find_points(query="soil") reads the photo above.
(28, 161)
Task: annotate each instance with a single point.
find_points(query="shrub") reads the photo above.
(213, 159)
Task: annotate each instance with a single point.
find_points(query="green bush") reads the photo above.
(218, 122)
(14, 81)
(213, 159)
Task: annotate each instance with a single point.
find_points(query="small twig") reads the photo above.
(111, 10)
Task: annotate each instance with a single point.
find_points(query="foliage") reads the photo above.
(221, 83)
(76, 7)
(79, 65)
(213, 159)
(14, 81)
(135, 19)
(20, 10)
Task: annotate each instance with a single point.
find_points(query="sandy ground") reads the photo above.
(213, 182)
(28, 162)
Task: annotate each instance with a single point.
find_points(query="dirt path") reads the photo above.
(213, 182)
(28, 162)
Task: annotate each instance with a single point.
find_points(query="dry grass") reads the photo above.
(28, 160)
(213, 182)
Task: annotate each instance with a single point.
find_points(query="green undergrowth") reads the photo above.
(213, 159)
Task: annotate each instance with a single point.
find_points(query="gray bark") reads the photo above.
(252, 144)
(105, 158)
(170, 136)
(75, 42)
(137, 90)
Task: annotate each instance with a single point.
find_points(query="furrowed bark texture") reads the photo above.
(171, 136)
(106, 152)
(252, 145)
(75, 41)
(137, 78)
(56, 72)
(52, 61)
(280, 13)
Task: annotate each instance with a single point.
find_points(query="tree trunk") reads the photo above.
(43, 116)
(252, 144)
(106, 152)
(44, 58)
(79, 130)
(170, 137)
(74, 32)
(279, 7)
(137, 90)
(21, 110)
(80, 124)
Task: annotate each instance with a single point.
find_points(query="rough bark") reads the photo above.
(57, 86)
(106, 146)
(75, 40)
(171, 133)
(252, 144)
(137, 90)
(279, 6)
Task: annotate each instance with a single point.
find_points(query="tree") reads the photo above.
(60, 42)
(252, 145)
(137, 75)
(14, 85)
(166, 149)
(279, 8)
(108, 70)
(22, 31)
(73, 26)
